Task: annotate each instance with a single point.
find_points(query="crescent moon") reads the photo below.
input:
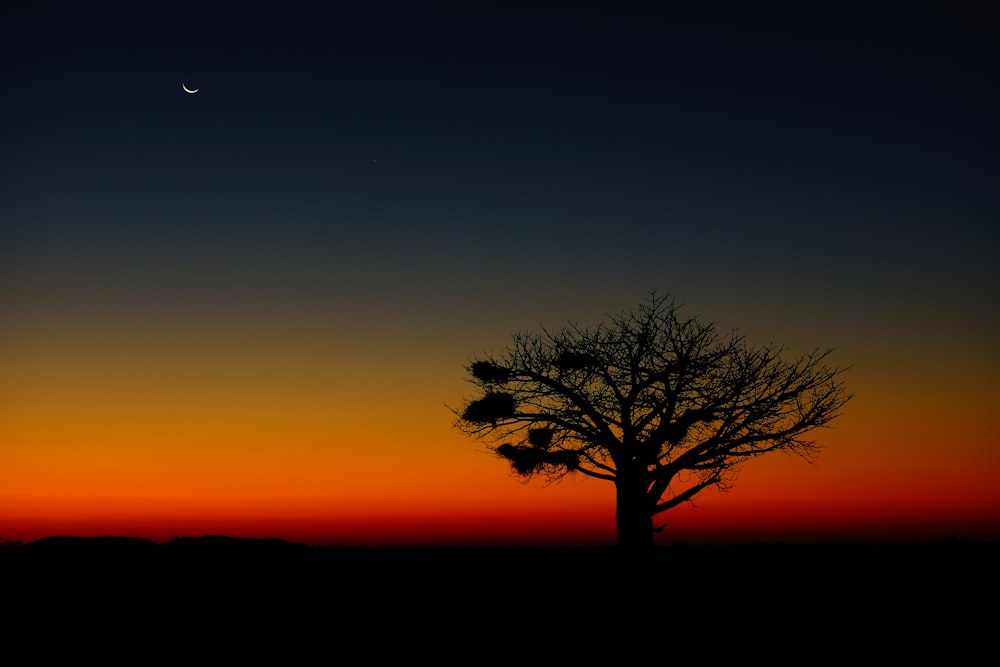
(188, 90)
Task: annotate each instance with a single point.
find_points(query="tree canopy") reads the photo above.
(662, 406)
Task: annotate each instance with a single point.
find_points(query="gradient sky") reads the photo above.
(246, 311)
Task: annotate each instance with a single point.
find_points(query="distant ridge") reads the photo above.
(223, 543)
(64, 543)
(202, 544)
(785, 557)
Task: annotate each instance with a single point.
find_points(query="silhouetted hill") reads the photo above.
(777, 553)
(70, 545)
(774, 562)
(70, 548)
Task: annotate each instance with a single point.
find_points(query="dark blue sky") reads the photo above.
(583, 146)
(590, 115)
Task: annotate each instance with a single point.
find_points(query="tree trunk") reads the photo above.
(635, 523)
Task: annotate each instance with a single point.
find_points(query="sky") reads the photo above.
(248, 310)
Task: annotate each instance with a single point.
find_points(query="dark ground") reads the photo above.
(891, 600)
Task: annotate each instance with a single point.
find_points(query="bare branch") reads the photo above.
(644, 397)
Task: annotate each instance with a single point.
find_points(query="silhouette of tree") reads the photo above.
(661, 406)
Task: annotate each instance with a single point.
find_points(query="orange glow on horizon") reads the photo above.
(110, 438)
